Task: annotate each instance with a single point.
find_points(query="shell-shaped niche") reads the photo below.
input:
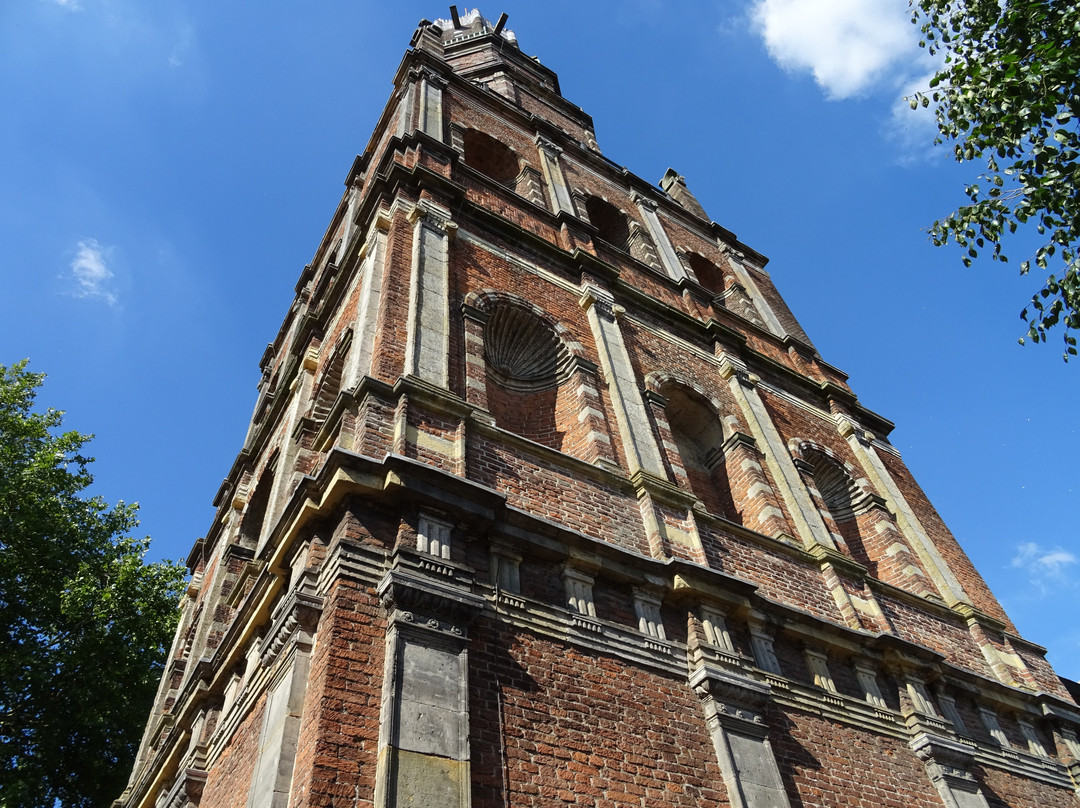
(522, 351)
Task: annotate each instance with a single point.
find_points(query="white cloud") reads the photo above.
(848, 45)
(92, 276)
(1045, 568)
(72, 5)
(913, 130)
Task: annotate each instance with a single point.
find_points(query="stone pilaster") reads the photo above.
(372, 268)
(808, 522)
(427, 351)
(285, 467)
(558, 190)
(912, 530)
(948, 764)
(639, 444)
(430, 112)
(734, 715)
(406, 110)
(665, 251)
(287, 645)
(735, 262)
(424, 725)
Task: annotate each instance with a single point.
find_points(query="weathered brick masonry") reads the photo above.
(548, 499)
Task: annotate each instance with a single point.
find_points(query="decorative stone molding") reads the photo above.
(433, 536)
(868, 681)
(186, 791)
(425, 601)
(505, 569)
(740, 701)
(578, 586)
(293, 622)
(948, 764)
(993, 726)
(647, 608)
(1034, 744)
(529, 184)
(714, 624)
(922, 715)
(434, 216)
(734, 707)
(818, 664)
(949, 710)
(761, 643)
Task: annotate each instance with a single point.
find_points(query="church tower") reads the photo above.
(548, 499)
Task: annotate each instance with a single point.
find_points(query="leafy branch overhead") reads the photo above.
(1009, 93)
(86, 622)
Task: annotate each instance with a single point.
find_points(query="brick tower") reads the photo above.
(547, 499)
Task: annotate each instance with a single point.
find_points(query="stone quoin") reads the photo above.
(547, 499)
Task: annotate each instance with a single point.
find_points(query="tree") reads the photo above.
(1009, 93)
(84, 622)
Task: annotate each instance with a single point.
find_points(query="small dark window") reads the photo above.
(611, 222)
(491, 158)
(698, 435)
(708, 274)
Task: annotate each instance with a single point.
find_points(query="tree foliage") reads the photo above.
(84, 622)
(1009, 94)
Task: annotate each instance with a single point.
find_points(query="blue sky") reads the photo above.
(168, 169)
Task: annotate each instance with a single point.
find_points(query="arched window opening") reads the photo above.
(491, 158)
(611, 222)
(527, 367)
(251, 526)
(708, 274)
(839, 495)
(330, 385)
(835, 486)
(699, 437)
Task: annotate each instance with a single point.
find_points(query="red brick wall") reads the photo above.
(1004, 790)
(337, 750)
(229, 778)
(834, 765)
(582, 729)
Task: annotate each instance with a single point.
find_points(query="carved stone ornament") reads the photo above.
(944, 758)
(187, 791)
(415, 599)
(294, 619)
(735, 696)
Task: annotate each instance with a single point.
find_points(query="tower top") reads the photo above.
(472, 23)
(486, 53)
